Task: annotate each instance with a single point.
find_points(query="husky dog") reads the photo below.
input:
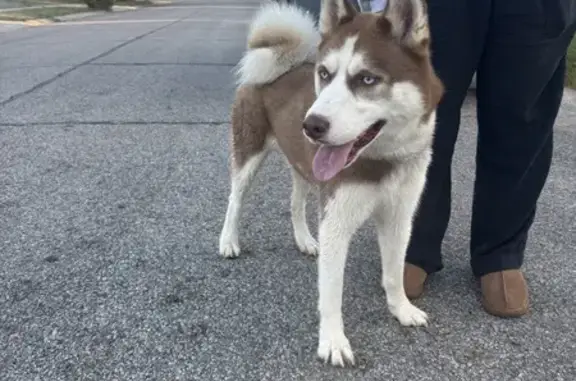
(351, 105)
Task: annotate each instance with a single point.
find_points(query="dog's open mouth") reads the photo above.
(330, 160)
(363, 140)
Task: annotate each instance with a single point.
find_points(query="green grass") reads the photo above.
(40, 13)
(571, 65)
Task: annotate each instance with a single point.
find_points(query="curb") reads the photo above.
(6, 22)
(79, 16)
(32, 22)
(37, 22)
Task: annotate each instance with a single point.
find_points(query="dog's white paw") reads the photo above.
(410, 315)
(336, 349)
(307, 244)
(229, 249)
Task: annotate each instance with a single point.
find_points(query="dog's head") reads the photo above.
(373, 80)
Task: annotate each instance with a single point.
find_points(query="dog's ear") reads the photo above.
(334, 13)
(407, 20)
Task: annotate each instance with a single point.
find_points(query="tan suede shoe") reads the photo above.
(414, 279)
(505, 293)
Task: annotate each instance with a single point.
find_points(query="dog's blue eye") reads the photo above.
(368, 80)
(323, 74)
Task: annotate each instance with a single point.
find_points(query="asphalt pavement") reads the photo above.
(113, 189)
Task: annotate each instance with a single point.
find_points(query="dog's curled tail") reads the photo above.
(281, 36)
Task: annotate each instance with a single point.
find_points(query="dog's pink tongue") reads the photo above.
(329, 160)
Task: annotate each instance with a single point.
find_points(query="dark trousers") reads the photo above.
(517, 48)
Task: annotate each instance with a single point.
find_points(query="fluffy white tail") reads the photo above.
(281, 37)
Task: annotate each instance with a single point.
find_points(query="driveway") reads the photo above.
(113, 189)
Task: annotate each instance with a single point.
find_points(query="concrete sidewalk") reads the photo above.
(113, 189)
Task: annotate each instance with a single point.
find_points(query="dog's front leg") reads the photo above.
(344, 213)
(394, 227)
(333, 345)
(393, 236)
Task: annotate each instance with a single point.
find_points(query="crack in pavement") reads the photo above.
(89, 61)
(225, 64)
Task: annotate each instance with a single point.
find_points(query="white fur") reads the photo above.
(404, 134)
(392, 203)
(394, 227)
(299, 37)
(304, 240)
(241, 180)
(343, 215)
(335, 102)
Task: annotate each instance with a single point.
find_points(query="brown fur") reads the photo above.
(273, 37)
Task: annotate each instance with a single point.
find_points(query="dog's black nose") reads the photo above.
(315, 126)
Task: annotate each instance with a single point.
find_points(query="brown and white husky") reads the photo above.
(351, 105)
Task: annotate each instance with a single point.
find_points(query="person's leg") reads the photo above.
(519, 90)
(458, 31)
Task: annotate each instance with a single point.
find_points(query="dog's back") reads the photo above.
(275, 86)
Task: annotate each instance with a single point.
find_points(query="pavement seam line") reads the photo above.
(128, 64)
(73, 68)
(162, 64)
(115, 123)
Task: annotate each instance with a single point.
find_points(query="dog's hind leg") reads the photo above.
(304, 239)
(241, 180)
(250, 146)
